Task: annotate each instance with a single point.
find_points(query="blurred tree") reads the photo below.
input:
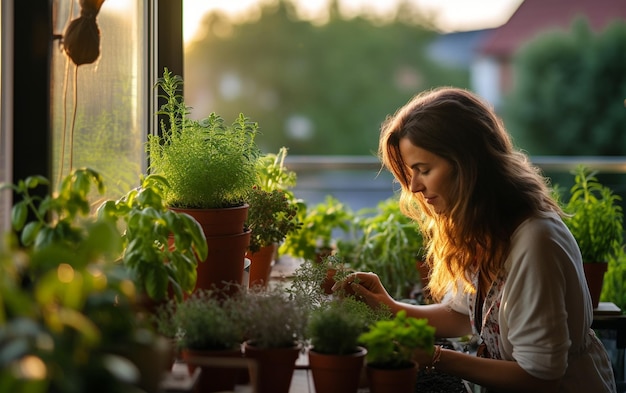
(569, 94)
(318, 88)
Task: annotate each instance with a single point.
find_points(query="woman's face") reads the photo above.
(431, 175)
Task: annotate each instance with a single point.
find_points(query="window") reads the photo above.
(99, 110)
(109, 104)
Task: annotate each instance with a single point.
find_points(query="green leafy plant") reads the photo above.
(595, 217)
(161, 247)
(48, 219)
(335, 326)
(206, 321)
(389, 244)
(614, 287)
(163, 319)
(272, 317)
(310, 278)
(66, 307)
(207, 163)
(391, 343)
(320, 226)
(271, 217)
(273, 174)
(273, 212)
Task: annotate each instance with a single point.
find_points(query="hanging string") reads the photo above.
(81, 43)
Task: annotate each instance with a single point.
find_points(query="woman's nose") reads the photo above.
(416, 185)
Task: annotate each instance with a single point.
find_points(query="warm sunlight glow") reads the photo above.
(65, 273)
(117, 5)
(31, 367)
(449, 15)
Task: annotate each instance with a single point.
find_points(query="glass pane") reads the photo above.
(99, 110)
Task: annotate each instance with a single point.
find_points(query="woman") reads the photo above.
(503, 264)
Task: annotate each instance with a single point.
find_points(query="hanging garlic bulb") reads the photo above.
(81, 40)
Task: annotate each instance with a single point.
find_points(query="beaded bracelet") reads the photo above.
(436, 357)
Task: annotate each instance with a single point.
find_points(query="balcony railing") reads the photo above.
(359, 181)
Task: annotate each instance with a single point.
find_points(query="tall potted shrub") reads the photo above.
(211, 168)
(596, 221)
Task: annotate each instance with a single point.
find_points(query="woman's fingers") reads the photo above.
(367, 280)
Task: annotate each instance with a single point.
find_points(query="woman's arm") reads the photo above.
(496, 375)
(368, 288)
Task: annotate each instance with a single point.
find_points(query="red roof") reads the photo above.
(537, 16)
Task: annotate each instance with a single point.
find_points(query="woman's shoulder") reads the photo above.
(543, 233)
(540, 224)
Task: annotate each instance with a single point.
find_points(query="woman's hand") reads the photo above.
(425, 358)
(367, 288)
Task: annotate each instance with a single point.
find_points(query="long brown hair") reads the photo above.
(494, 184)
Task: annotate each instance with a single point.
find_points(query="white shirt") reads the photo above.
(538, 312)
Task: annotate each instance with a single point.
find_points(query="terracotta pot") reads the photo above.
(224, 263)
(212, 378)
(216, 222)
(336, 373)
(227, 243)
(329, 281)
(261, 266)
(392, 380)
(273, 369)
(594, 274)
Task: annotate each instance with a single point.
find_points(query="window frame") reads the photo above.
(27, 42)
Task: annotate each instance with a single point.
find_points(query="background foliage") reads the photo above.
(569, 93)
(308, 84)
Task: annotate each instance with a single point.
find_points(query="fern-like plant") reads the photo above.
(207, 163)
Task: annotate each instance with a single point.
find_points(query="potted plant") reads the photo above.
(390, 345)
(595, 219)
(161, 246)
(272, 174)
(207, 331)
(271, 217)
(272, 214)
(322, 228)
(274, 323)
(67, 308)
(211, 169)
(335, 356)
(391, 245)
(327, 228)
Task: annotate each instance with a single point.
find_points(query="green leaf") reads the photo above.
(19, 213)
(31, 232)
